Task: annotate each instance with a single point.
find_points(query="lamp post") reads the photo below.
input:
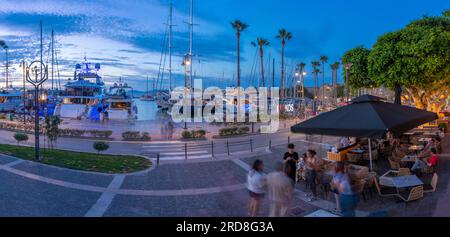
(187, 86)
(37, 74)
(347, 66)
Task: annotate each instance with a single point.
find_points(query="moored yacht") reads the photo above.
(120, 102)
(83, 94)
(10, 99)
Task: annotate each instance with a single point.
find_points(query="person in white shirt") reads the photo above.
(281, 192)
(256, 185)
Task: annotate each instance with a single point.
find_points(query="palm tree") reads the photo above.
(284, 35)
(239, 26)
(316, 71)
(335, 67)
(5, 47)
(261, 42)
(324, 60)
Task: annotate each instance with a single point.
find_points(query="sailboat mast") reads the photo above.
(191, 37)
(53, 58)
(170, 47)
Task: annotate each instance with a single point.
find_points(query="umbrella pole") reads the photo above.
(370, 154)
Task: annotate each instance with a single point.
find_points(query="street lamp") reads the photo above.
(37, 74)
(187, 86)
(347, 67)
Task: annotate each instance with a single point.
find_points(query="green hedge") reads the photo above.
(136, 136)
(196, 134)
(234, 131)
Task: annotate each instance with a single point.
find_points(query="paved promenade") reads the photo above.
(193, 188)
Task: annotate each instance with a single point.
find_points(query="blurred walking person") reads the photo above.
(346, 197)
(256, 184)
(281, 192)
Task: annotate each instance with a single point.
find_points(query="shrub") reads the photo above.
(100, 146)
(199, 133)
(20, 137)
(443, 126)
(186, 135)
(146, 136)
(131, 136)
(243, 130)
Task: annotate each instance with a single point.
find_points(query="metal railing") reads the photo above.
(227, 147)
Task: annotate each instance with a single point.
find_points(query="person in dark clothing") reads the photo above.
(291, 158)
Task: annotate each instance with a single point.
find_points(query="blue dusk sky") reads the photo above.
(126, 36)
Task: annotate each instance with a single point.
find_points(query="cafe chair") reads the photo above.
(385, 191)
(413, 195)
(404, 172)
(431, 188)
(394, 165)
(370, 184)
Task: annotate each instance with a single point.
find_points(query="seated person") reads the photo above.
(429, 163)
(426, 152)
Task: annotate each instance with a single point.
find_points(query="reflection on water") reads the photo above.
(147, 110)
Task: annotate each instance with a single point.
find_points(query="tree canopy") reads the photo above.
(416, 58)
(359, 72)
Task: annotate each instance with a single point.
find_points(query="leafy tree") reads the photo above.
(20, 137)
(446, 13)
(52, 129)
(359, 72)
(100, 146)
(417, 59)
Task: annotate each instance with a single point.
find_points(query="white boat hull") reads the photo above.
(71, 111)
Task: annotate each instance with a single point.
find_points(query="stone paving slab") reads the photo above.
(228, 204)
(65, 174)
(6, 159)
(21, 197)
(188, 176)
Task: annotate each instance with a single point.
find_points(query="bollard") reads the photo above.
(157, 159)
(185, 151)
(228, 148)
(289, 140)
(270, 144)
(212, 148)
(251, 145)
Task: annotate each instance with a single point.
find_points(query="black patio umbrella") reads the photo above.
(366, 117)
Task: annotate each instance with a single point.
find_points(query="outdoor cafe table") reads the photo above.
(390, 179)
(407, 181)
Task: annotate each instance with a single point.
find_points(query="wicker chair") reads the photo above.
(394, 165)
(431, 188)
(413, 195)
(385, 191)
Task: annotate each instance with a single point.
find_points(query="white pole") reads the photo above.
(370, 154)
